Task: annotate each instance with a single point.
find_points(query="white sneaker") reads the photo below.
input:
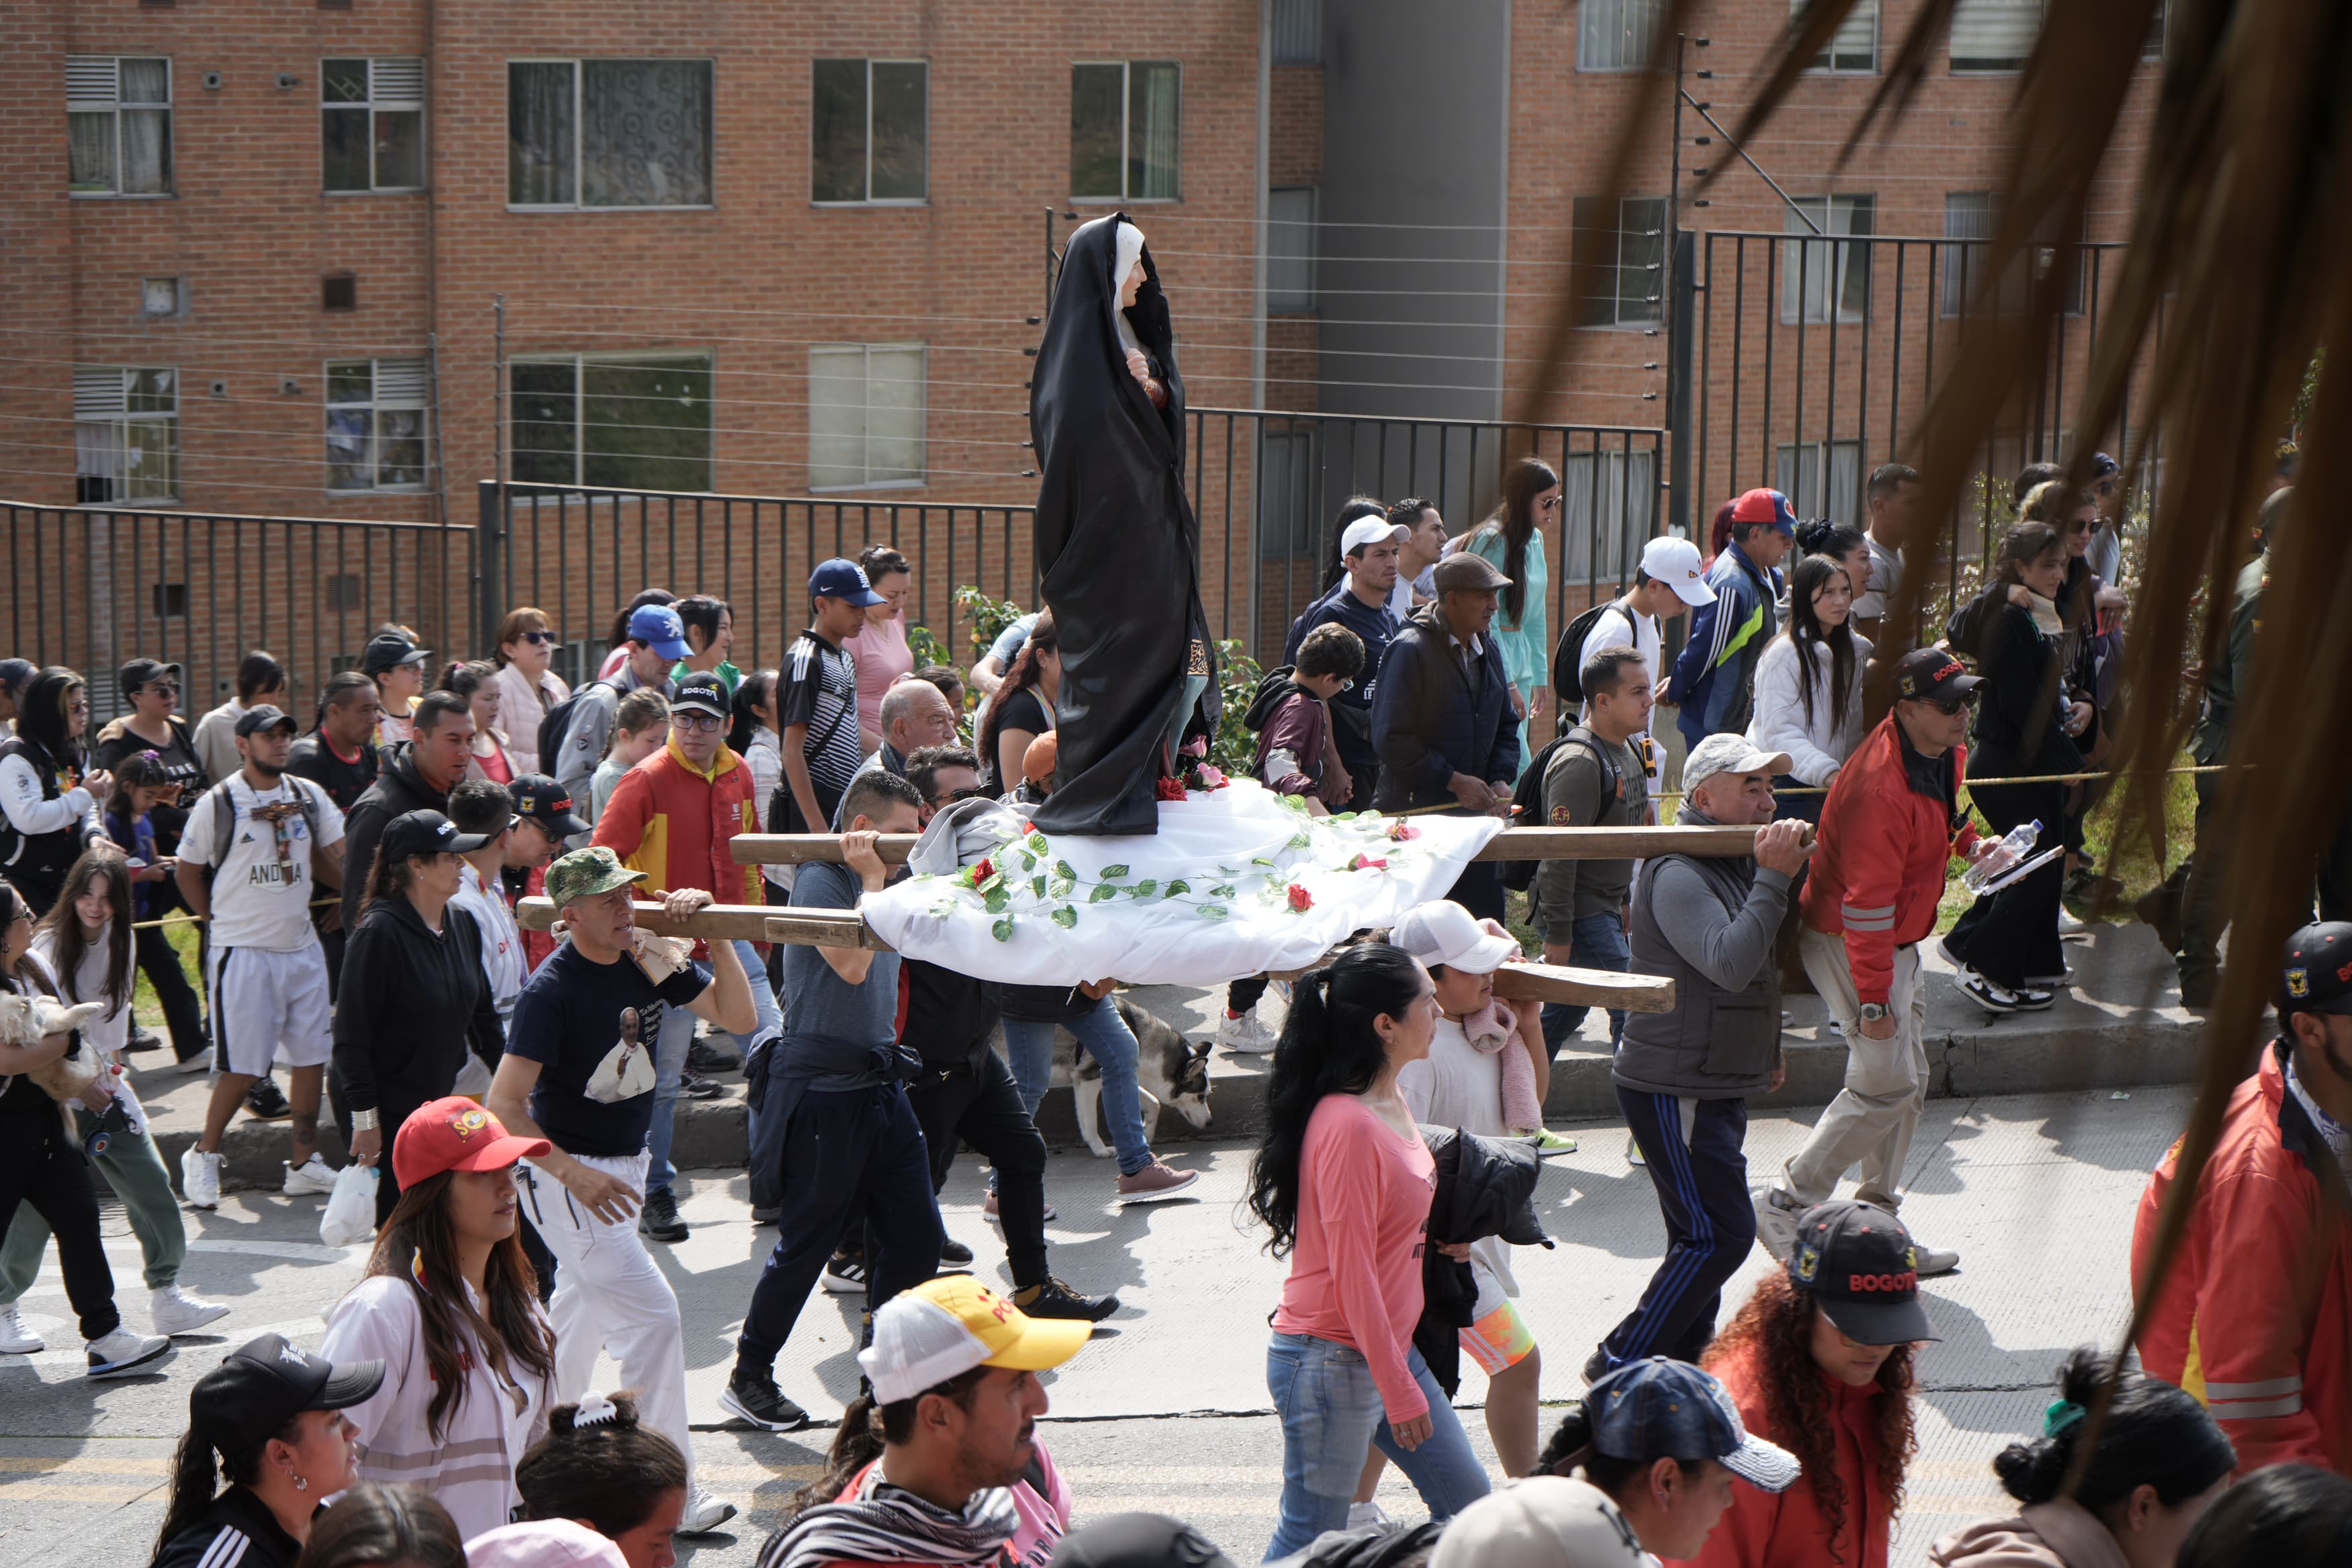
(124, 1351)
(1633, 1151)
(173, 1312)
(1369, 1516)
(2068, 925)
(15, 1338)
(200, 1178)
(1776, 1222)
(311, 1178)
(704, 1514)
(1246, 1033)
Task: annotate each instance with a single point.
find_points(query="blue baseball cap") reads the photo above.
(659, 628)
(1663, 1409)
(840, 579)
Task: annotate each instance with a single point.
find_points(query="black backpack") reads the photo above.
(558, 719)
(1567, 669)
(1527, 799)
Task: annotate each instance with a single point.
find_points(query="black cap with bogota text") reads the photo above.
(2318, 975)
(1858, 1261)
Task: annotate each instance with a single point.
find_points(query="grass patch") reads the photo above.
(182, 938)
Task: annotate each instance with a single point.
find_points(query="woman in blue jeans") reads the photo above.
(1089, 1012)
(1344, 1182)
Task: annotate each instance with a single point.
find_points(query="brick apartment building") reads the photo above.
(273, 263)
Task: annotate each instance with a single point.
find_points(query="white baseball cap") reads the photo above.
(945, 1327)
(1674, 563)
(1729, 752)
(1443, 931)
(1544, 1522)
(1371, 530)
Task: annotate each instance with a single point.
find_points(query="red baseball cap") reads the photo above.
(1765, 506)
(456, 1134)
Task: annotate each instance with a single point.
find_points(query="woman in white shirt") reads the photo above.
(1808, 700)
(528, 688)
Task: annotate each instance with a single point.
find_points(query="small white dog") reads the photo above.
(1168, 1069)
(24, 1021)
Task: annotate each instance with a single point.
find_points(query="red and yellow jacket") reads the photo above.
(675, 823)
(2256, 1317)
(1887, 837)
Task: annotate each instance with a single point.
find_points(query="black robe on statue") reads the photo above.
(1117, 546)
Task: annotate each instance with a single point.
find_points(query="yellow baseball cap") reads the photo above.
(943, 1328)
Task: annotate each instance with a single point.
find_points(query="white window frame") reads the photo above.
(580, 364)
(579, 123)
(102, 400)
(1291, 249)
(1821, 267)
(869, 199)
(1616, 34)
(1857, 39)
(1127, 131)
(82, 98)
(1980, 19)
(921, 438)
(412, 378)
(374, 105)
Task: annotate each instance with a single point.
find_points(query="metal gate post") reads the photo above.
(1681, 426)
(490, 562)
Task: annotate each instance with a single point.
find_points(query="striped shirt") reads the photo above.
(818, 687)
(237, 1532)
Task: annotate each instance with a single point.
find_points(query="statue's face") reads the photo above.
(1131, 286)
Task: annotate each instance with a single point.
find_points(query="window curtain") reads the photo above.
(540, 134)
(645, 133)
(1153, 92)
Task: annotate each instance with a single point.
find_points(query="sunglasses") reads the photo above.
(699, 723)
(954, 795)
(1950, 706)
(162, 688)
(540, 638)
(1550, 504)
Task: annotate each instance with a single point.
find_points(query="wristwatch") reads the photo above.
(1872, 1011)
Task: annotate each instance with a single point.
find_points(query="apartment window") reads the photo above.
(119, 125)
(1615, 35)
(126, 434)
(371, 123)
(623, 422)
(869, 134)
(1819, 275)
(1993, 35)
(1290, 248)
(375, 423)
(865, 415)
(608, 133)
(1798, 474)
(1610, 505)
(1853, 47)
(1123, 127)
(1632, 260)
(1974, 216)
(1298, 32)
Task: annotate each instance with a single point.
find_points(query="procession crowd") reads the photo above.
(508, 1097)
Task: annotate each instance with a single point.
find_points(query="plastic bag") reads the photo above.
(350, 1207)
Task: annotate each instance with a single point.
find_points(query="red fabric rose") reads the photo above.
(1404, 830)
(984, 871)
(1168, 789)
(1300, 900)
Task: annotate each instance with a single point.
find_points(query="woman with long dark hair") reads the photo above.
(1808, 699)
(269, 1420)
(48, 798)
(1513, 539)
(598, 1466)
(84, 941)
(2158, 1462)
(1022, 708)
(2027, 722)
(617, 643)
(384, 1527)
(1818, 1363)
(128, 814)
(2288, 1516)
(1343, 1182)
(450, 1305)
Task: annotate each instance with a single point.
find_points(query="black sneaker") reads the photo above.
(708, 1056)
(266, 1101)
(954, 1254)
(143, 1038)
(757, 1399)
(1055, 1299)
(692, 1087)
(844, 1276)
(659, 1218)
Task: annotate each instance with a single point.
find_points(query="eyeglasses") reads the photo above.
(702, 723)
(538, 638)
(81, 706)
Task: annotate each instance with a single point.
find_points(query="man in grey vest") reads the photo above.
(1707, 923)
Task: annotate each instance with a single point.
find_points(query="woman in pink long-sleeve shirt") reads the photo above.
(1343, 1181)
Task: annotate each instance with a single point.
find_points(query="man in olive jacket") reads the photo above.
(1684, 1077)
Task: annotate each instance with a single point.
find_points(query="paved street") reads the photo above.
(1167, 1409)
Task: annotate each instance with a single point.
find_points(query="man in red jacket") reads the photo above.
(2254, 1317)
(1888, 832)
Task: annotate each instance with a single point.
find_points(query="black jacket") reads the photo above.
(1485, 1187)
(1430, 721)
(949, 1017)
(408, 1001)
(2021, 710)
(398, 789)
(237, 1532)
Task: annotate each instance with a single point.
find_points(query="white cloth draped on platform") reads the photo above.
(1235, 882)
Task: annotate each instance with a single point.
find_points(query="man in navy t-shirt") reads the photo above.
(579, 1072)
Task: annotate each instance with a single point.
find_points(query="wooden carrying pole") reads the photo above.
(846, 927)
(1513, 844)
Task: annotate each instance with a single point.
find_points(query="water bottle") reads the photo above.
(2018, 844)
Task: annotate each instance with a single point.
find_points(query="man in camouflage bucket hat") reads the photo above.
(579, 1072)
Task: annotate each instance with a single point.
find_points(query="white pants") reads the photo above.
(1872, 1121)
(611, 1295)
(270, 1005)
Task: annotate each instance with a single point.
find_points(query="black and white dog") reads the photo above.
(1168, 1069)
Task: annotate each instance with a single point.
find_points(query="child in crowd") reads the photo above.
(140, 784)
(640, 728)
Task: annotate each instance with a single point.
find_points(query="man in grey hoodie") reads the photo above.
(1684, 1077)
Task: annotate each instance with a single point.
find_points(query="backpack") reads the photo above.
(784, 806)
(224, 815)
(1567, 665)
(558, 719)
(1527, 799)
